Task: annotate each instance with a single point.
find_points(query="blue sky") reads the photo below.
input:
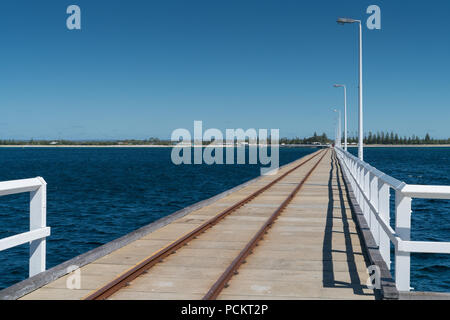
(144, 68)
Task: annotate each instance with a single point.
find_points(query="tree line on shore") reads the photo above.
(43, 142)
(370, 138)
(322, 139)
(394, 138)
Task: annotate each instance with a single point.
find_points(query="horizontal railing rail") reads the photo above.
(37, 187)
(372, 192)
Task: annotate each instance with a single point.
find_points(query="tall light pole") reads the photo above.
(360, 86)
(345, 113)
(338, 129)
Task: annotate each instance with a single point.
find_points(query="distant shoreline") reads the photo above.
(402, 145)
(87, 146)
(171, 146)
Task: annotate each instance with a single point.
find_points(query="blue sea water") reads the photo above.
(430, 219)
(96, 195)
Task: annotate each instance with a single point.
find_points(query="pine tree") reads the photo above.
(370, 138)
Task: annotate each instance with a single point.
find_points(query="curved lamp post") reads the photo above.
(345, 113)
(360, 121)
(338, 129)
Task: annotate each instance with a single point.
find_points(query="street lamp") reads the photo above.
(360, 120)
(345, 113)
(338, 135)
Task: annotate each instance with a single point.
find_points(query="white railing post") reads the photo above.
(383, 211)
(366, 188)
(353, 172)
(361, 184)
(38, 208)
(403, 230)
(374, 201)
(355, 181)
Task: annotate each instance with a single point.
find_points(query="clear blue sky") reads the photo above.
(144, 68)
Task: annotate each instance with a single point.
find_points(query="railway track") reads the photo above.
(125, 279)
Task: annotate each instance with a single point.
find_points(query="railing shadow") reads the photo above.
(329, 280)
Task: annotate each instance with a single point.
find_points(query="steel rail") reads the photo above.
(125, 278)
(231, 270)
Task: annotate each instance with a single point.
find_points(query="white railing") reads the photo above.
(371, 189)
(37, 187)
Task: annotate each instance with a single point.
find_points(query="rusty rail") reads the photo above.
(240, 259)
(125, 278)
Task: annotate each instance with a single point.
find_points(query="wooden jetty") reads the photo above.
(292, 235)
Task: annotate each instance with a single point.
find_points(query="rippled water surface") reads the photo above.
(96, 195)
(430, 219)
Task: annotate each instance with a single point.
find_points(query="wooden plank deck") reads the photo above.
(311, 252)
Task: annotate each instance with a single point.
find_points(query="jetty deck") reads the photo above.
(312, 250)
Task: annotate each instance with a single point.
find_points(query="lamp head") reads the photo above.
(338, 85)
(346, 20)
